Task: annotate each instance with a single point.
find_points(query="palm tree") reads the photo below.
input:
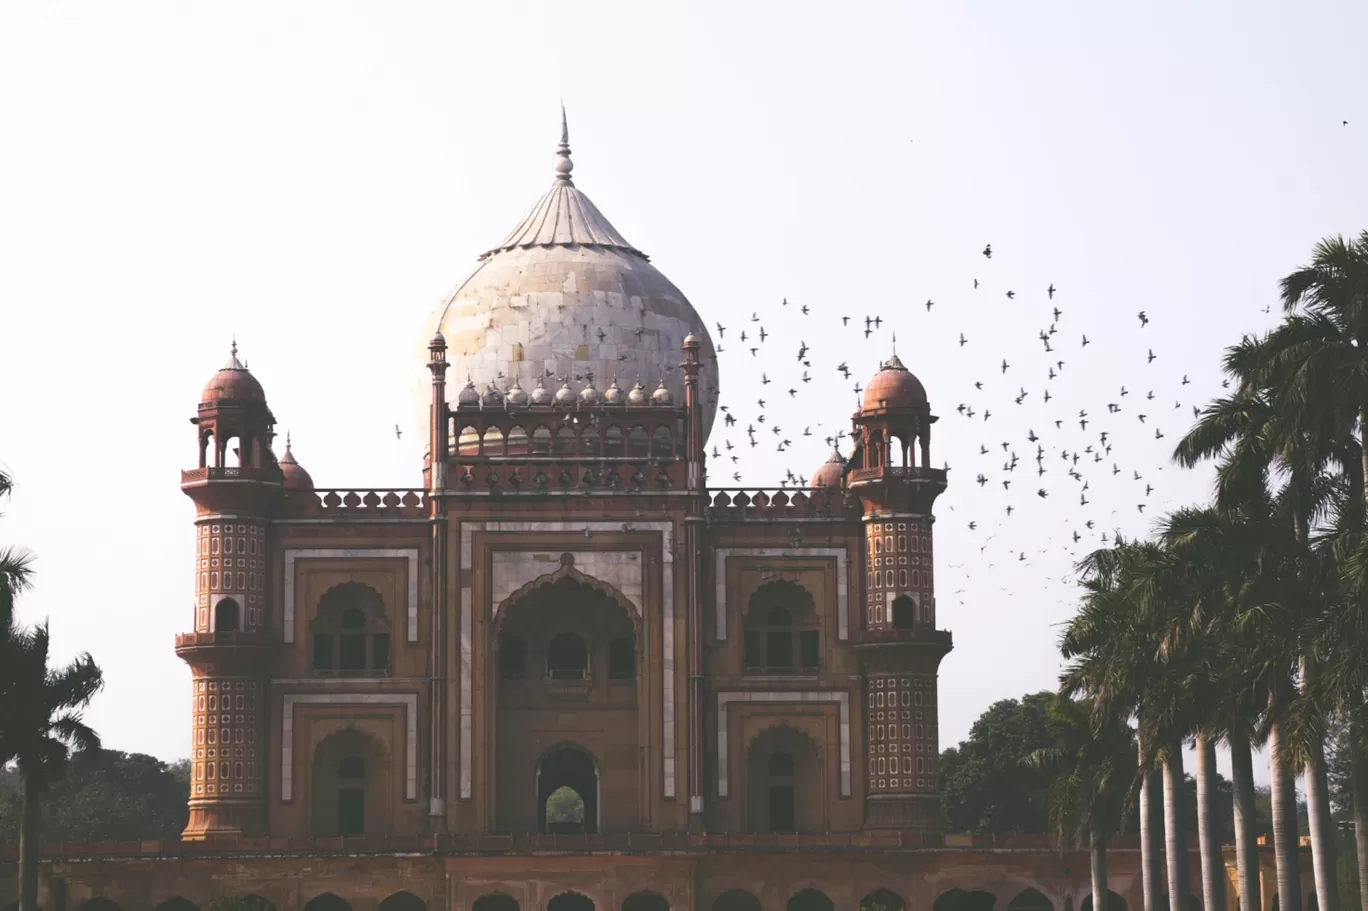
(1111, 649)
(45, 724)
(1094, 764)
(1316, 364)
(15, 576)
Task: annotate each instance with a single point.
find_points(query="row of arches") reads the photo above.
(230, 451)
(568, 441)
(807, 899)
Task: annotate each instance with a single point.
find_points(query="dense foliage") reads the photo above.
(106, 795)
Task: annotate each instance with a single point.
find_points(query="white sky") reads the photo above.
(313, 177)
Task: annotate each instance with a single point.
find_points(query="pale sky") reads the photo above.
(313, 177)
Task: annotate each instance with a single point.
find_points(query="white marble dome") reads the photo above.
(565, 298)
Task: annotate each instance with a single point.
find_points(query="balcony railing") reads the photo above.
(357, 501)
(254, 638)
(230, 473)
(799, 502)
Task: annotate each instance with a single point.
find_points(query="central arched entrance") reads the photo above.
(567, 684)
(568, 792)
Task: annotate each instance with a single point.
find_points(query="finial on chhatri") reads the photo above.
(232, 349)
(287, 442)
(563, 163)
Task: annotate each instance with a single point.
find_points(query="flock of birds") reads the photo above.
(1042, 470)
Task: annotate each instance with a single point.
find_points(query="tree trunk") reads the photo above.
(28, 850)
(1358, 779)
(1282, 791)
(1175, 839)
(1099, 869)
(1246, 836)
(1322, 826)
(1150, 867)
(1213, 867)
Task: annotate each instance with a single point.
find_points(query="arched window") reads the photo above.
(781, 634)
(541, 441)
(567, 789)
(208, 457)
(493, 442)
(565, 442)
(589, 442)
(351, 796)
(517, 441)
(782, 794)
(227, 616)
(621, 658)
(612, 442)
(638, 444)
(177, 903)
(567, 658)
(662, 446)
(99, 904)
(1117, 903)
(512, 657)
(351, 635)
(904, 612)
(468, 442)
(232, 455)
(960, 900)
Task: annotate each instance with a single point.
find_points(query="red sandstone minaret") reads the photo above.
(228, 651)
(899, 644)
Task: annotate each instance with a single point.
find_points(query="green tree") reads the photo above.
(985, 788)
(1092, 763)
(106, 795)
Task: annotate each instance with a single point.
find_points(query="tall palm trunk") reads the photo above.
(1283, 796)
(1213, 867)
(1150, 868)
(28, 850)
(1099, 868)
(1358, 785)
(1246, 837)
(1175, 839)
(1319, 820)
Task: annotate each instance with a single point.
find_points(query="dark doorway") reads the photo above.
(570, 901)
(810, 900)
(783, 815)
(351, 796)
(646, 901)
(403, 901)
(1117, 903)
(883, 900)
(904, 614)
(565, 774)
(736, 900)
(495, 902)
(227, 616)
(327, 902)
(176, 903)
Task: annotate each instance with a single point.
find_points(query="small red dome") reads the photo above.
(233, 383)
(894, 387)
(832, 472)
(296, 478)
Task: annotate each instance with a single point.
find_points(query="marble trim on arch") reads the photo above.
(409, 701)
(842, 580)
(667, 668)
(352, 553)
(791, 697)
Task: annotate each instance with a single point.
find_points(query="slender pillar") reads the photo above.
(693, 544)
(437, 460)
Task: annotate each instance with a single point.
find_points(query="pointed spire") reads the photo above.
(563, 163)
(233, 362)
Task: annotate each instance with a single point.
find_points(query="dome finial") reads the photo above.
(287, 442)
(563, 163)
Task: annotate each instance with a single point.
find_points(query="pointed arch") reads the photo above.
(567, 571)
(496, 901)
(327, 902)
(645, 901)
(403, 901)
(177, 903)
(99, 904)
(571, 901)
(736, 900)
(1030, 900)
(883, 900)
